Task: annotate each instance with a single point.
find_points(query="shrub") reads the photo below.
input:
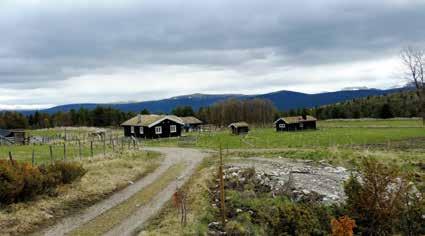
(33, 182)
(377, 200)
(343, 226)
(21, 181)
(11, 182)
(69, 171)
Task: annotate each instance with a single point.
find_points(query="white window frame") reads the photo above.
(132, 129)
(301, 125)
(173, 128)
(158, 130)
(282, 126)
(141, 130)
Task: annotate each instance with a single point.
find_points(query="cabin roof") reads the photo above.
(150, 120)
(295, 119)
(239, 124)
(190, 120)
(4, 132)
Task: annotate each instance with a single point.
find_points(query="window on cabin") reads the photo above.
(158, 130)
(173, 128)
(301, 125)
(132, 129)
(141, 130)
(282, 126)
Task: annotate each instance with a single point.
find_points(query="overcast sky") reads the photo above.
(57, 52)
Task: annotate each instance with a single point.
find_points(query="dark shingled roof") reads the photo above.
(239, 124)
(296, 119)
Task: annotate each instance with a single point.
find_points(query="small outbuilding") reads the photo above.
(16, 136)
(295, 123)
(191, 123)
(153, 126)
(239, 127)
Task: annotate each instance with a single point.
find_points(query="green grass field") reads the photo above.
(269, 138)
(353, 134)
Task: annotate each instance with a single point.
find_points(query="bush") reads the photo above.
(383, 201)
(68, 171)
(11, 182)
(21, 181)
(33, 182)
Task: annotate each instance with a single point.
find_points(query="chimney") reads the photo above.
(139, 118)
(304, 117)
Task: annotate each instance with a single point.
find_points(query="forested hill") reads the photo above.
(401, 104)
(283, 100)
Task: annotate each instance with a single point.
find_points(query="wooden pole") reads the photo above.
(79, 149)
(113, 145)
(51, 154)
(33, 156)
(64, 151)
(10, 157)
(104, 147)
(91, 149)
(222, 199)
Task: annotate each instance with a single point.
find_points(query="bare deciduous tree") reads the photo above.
(414, 62)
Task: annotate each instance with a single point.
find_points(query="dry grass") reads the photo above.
(104, 177)
(115, 215)
(167, 222)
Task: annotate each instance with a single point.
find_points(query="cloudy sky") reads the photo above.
(56, 52)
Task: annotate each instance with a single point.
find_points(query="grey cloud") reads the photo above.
(55, 41)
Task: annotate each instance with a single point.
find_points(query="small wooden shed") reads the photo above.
(239, 128)
(16, 136)
(295, 123)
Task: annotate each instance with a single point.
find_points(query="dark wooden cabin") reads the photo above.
(191, 123)
(239, 128)
(153, 126)
(295, 123)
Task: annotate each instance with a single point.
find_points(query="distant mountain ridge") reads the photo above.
(283, 100)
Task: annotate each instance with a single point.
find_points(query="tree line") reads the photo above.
(98, 117)
(402, 104)
(254, 111)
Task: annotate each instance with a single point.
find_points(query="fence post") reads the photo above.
(64, 151)
(91, 149)
(104, 147)
(79, 149)
(10, 157)
(51, 154)
(222, 199)
(33, 156)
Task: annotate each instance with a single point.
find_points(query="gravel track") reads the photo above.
(172, 156)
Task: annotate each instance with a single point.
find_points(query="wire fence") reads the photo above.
(70, 150)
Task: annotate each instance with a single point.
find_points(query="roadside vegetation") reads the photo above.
(388, 201)
(104, 176)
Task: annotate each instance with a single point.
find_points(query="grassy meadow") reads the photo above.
(329, 133)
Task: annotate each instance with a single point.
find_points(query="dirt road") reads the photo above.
(191, 157)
